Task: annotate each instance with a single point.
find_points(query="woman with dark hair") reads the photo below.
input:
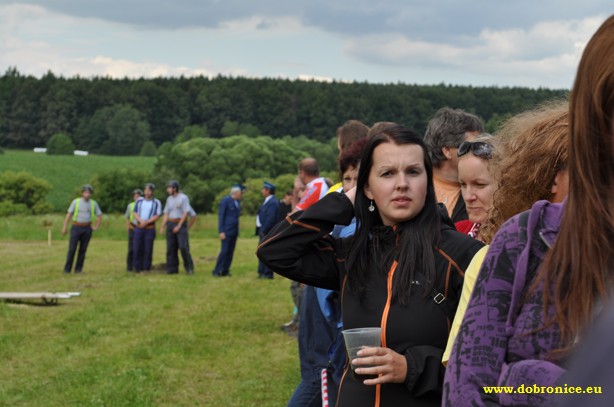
(549, 270)
(402, 270)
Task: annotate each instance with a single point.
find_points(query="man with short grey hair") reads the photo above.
(176, 213)
(228, 228)
(445, 133)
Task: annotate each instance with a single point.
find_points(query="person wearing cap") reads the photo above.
(265, 220)
(146, 212)
(176, 211)
(82, 211)
(131, 224)
(228, 229)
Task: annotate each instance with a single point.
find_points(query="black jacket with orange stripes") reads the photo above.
(301, 249)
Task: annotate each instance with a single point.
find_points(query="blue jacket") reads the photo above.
(228, 216)
(268, 214)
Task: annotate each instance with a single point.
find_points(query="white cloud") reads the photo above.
(546, 52)
(36, 41)
(315, 78)
(120, 68)
(398, 42)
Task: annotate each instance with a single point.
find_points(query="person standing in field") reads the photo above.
(316, 186)
(228, 229)
(266, 218)
(131, 224)
(82, 212)
(308, 173)
(312, 350)
(146, 212)
(176, 213)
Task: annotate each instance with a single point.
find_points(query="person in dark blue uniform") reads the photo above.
(267, 217)
(131, 225)
(228, 228)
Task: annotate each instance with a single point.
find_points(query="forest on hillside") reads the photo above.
(119, 116)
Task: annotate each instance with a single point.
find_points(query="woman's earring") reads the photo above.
(371, 207)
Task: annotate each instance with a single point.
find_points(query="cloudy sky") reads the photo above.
(477, 42)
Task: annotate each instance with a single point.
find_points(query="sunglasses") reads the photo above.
(478, 148)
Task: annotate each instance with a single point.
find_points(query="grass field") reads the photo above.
(66, 172)
(141, 340)
(113, 227)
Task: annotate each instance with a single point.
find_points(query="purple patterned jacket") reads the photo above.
(497, 344)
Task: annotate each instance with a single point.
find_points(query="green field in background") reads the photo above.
(66, 173)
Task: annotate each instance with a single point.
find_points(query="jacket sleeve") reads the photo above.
(425, 372)
(221, 216)
(300, 248)
(478, 354)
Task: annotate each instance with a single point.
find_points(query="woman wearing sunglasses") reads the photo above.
(392, 273)
(529, 164)
(477, 184)
(477, 188)
(549, 270)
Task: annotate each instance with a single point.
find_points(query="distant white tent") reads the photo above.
(40, 150)
(80, 152)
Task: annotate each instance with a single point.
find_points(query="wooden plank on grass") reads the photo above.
(36, 295)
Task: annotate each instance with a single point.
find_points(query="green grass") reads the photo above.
(142, 340)
(113, 227)
(66, 172)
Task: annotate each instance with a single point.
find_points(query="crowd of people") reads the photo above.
(485, 259)
(141, 216)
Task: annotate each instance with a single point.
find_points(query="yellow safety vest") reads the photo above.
(78, 201)
(132, 211)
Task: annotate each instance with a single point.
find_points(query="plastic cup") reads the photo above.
(358, 338)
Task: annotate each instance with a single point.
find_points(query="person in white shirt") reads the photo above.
(146, 212)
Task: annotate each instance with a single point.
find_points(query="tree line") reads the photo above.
(206, 168)
(121, 116)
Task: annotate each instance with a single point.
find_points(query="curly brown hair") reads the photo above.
(533, 149)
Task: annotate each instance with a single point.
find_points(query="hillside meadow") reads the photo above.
(141, 340)
(66, 173)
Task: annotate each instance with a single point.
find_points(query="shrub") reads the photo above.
(60, 143)
(22, 192)
(10, 209)
(148, 149)
(113, 188)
